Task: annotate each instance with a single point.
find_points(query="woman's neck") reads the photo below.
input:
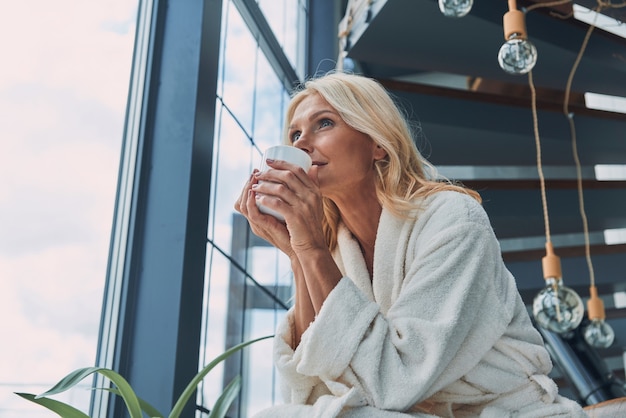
(361, 216)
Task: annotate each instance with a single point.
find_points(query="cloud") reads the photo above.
(69, 43)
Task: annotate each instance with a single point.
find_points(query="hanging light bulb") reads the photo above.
(517, 55)
(598, 333)
(556, 307)
(455, 8)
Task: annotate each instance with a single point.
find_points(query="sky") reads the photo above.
(63, 87)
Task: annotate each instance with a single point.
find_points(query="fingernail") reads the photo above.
(269, 160)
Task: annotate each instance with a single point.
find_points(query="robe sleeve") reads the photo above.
(295, 387)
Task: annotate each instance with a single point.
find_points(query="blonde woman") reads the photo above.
(403, 305)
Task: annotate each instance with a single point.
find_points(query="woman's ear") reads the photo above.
(379, 153)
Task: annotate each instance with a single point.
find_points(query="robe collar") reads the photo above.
(388, 265)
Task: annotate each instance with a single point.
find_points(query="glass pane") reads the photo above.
(214, 331)
(269, 266)
(286, 18)
(261, 386)
(269, 105)
(239, 63)
(233, 161)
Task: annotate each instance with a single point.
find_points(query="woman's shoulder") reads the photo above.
(450, 215)
(448, 209)
(455, 204)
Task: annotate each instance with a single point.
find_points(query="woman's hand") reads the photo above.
(290, 191)
(264, 226)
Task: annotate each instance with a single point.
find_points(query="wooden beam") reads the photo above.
(546, 99)
(578, 251)
(533, 184)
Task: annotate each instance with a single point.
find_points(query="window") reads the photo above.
(247, 283)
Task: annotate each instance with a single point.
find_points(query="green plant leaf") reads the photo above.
(126, 391)
(191, 387)
(145, 405)
(62, 409)
(69, 381)
(226, 399)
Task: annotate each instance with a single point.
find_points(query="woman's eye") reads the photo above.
(295, 136)
(325, 122)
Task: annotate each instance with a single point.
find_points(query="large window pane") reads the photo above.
(239, 66)
(287, 18)
(270, 103)
(234, 159)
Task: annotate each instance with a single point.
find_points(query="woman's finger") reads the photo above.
(240, 203)
(279, 172)
(266, 226)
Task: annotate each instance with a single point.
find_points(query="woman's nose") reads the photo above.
(303, 143)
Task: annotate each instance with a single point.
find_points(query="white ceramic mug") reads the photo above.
(289, 154)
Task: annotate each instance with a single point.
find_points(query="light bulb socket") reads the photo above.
(514, 22)
(551, 263)
(595, 305)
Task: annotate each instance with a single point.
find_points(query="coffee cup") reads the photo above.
(289, 154)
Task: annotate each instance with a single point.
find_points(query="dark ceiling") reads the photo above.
(477, 127)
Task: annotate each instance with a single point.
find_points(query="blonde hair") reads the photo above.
(365, 105)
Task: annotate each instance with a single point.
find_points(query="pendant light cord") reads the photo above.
(542, 181)
(572, 126)
(602, 4)
(548, 4)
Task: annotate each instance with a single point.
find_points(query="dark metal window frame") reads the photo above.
(151, 318)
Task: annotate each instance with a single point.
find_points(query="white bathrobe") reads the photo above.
(440, 330)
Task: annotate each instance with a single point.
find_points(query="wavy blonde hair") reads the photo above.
(365, 105)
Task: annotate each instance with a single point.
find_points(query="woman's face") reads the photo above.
(344, 156)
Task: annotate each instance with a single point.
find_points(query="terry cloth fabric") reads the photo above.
(440, 330)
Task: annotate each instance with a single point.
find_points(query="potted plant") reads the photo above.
(134, 404)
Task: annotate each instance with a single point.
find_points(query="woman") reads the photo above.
(403, 305)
